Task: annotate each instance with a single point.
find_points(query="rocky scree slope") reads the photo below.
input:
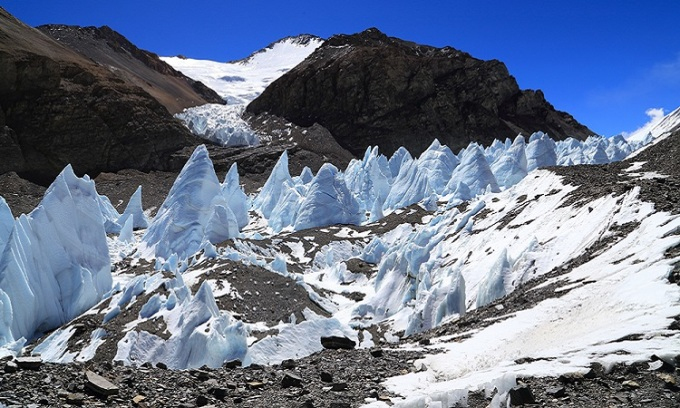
(369, 89)
(58, 107)
(142, 68)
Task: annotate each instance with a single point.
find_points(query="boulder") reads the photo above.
(337, 342)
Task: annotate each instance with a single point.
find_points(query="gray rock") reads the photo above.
(326, 376)
(29, 363)
(289, 363)
(75, 399)
(521, 395)
(201, 401)
(341, 386)
(99, 385)
(11, 367)
(556, 392)
(291, 380)
(232, 364)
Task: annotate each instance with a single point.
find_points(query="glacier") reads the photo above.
(238, 83)
(221, 124)
(418, 283)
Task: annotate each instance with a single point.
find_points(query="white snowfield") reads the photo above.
(517, 226)
(238, 82)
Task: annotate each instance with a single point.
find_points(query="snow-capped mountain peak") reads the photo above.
(241, 81)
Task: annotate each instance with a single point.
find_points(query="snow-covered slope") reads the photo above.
(239, 82)
(658, 126)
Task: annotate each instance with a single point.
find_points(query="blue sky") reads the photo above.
(605, 62)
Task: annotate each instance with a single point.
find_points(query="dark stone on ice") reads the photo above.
(291, 380)
(232, 364)
(597, 369)
(161, 365)
(521, 395)
(590, 374)
(337, 342)
(377, 352)
(666, 366)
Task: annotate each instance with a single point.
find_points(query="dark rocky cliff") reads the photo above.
(58, 107)
(371, 89)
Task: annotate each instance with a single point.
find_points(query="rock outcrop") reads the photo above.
(58, 107)
(370, 89)
(142, 68)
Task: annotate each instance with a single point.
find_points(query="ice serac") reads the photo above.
(510, 166)
(199, 334)
(474, 171)
(493, 285)
(134, 209)
(438, 163)
(540, 151)
(110, 214)
(56, 263)
(369, 179)
(398, 159)
(6, 223)
(410, 186)
(236, 199)
(275, 187)
(195, 211)
(328, 202)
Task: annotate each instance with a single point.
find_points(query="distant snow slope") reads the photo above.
(656, 127)
(239, 82)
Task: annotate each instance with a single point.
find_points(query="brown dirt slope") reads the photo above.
(110, 49)
(58, 107)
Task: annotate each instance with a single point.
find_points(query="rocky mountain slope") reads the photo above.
(59, 107)
(141, 68)
(369, 89)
